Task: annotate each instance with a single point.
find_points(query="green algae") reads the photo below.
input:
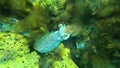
(96, 22)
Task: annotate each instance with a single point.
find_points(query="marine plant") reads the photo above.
(15, 52)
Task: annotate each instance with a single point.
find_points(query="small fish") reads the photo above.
(52, 40)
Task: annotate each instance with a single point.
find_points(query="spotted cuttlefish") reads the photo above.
(52, 40)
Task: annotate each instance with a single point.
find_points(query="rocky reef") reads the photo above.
(15, 52)
(34, 34)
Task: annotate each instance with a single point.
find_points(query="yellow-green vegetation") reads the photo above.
(15, 53)
(33, 24)
(32, 19)
(14, 44)
(24, 61)
(68, 63)
(34, 2)
(53, 5)
(93, 22)
(64, 58)
(50, 5)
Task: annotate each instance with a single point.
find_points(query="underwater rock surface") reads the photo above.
(29, 33)
(14, 52)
